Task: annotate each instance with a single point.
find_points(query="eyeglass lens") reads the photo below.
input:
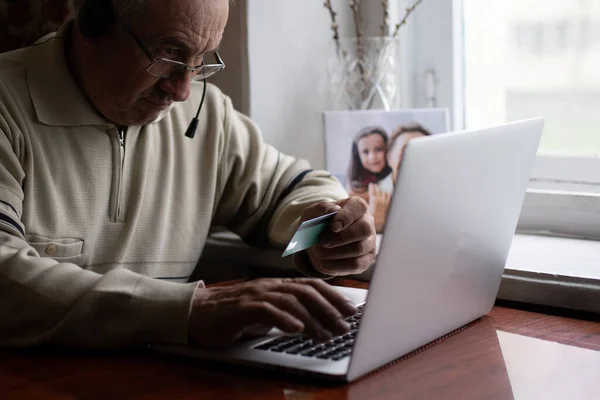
(166, 69)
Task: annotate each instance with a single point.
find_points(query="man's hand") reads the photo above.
(349, 246)
(221, 315)
(379, 203)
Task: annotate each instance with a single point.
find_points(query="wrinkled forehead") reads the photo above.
(197, 25)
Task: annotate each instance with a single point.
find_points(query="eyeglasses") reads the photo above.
(165, 68)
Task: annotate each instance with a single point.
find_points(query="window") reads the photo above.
(537, 59)
(500, 61)
(542, 63)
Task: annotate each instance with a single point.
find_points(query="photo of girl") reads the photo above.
(368, 163)
(379, 198)
(369, 176)
(364, 150)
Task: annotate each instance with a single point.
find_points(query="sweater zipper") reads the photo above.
(121, 137)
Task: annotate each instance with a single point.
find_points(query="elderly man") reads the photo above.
(105, 205)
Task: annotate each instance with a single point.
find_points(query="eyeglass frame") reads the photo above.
(153, 60)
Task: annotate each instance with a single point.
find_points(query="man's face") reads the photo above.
(119, 85)
(395, 153)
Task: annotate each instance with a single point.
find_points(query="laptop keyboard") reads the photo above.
(334, 349)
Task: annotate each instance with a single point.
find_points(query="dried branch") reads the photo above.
(355, 6)
(360, 50)
(386, 18)
(409, 11)
(334, 26)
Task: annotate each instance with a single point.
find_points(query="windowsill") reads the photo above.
(540, 270)
(575, 258)
(553, 271)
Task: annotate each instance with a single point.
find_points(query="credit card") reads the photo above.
(308, 234)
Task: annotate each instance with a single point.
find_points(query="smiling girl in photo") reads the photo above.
(368, 163)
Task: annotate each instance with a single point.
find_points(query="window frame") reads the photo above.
(563, 200)
(563, 197)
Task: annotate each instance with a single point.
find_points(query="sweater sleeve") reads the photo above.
(43, 301)
(263, 191)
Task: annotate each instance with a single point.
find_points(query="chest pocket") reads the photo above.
(63, 249)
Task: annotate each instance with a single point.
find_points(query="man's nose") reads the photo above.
(177, 86)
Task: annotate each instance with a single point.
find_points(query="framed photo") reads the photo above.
(364, 149)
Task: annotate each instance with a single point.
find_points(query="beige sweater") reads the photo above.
(91, 231)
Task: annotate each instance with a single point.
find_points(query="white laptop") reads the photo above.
(447, 237)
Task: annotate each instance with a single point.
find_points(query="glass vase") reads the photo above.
(363, 74)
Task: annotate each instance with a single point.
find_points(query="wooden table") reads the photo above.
(507, 354)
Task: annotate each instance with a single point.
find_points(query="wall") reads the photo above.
(289, 45)
(372, 17)
(435, 32)
(234, 79)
